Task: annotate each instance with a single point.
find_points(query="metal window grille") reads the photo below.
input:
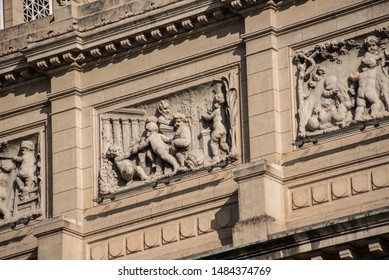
(36, 9)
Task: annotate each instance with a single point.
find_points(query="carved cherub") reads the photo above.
(126, 167)
(3, 208)
(334, 109)
(3, 192)
(372, 45)
(165, 118)
(159, 145)
(182, 139)
(148, 153)
(25, 177)
(219, 133)
(343, 102)
(372, 86)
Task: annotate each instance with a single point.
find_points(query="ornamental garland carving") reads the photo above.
(187, 131)
(19, 179)
(342, 83)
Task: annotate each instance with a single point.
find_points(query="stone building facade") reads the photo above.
(212, 129)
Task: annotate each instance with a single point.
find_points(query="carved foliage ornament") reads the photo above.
(342, 83)
(19, 179)
(186, 131)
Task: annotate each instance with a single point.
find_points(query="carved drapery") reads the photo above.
(342, 83)
(20, 180)
(186, 131)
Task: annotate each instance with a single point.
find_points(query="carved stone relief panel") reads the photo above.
(20, 180)
(342, 83)
(185, 131)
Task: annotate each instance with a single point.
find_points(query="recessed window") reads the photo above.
(36, 9)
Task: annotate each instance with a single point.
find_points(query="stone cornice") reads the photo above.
(253, 170)
(77, 44)
(57, 224)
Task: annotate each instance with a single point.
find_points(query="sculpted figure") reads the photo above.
(158, 144)
(327, 102)
(126, 167)
(165, 118)
(3, 193)
(345, 102)
(334, 109)
(305, 66)
(148, 152)
(369, 89)
(372, 45)
(219, 133)
(25, 177)
(5, 169)
(3, 208)
(372, 82)
(182, 139)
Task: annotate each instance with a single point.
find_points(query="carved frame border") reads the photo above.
(170, 89)
(40, 130)
(293, 49)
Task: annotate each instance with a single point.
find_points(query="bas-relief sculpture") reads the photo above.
(19, 179)
(186, 131)
(342, 83)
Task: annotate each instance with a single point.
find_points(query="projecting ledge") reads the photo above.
(252, 170)
(59, 238)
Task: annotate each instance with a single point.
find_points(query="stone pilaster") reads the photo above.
(261, 201)
(68, 153)
(263, 85)
(59, 239)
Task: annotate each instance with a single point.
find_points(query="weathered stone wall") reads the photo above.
(92, 76)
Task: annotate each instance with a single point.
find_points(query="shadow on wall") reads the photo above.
(163, 193)
(225, 220)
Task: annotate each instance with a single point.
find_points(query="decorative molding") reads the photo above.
(172, 29)
(141, 39)
(217, 14)
(111, 48)
(187, 24)
(203, 19)
(179, 231)
(10, 78)
(96, 52)
(42, 65)
(55, 61)
(126, 43)
(340, 188)
(155, 33)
